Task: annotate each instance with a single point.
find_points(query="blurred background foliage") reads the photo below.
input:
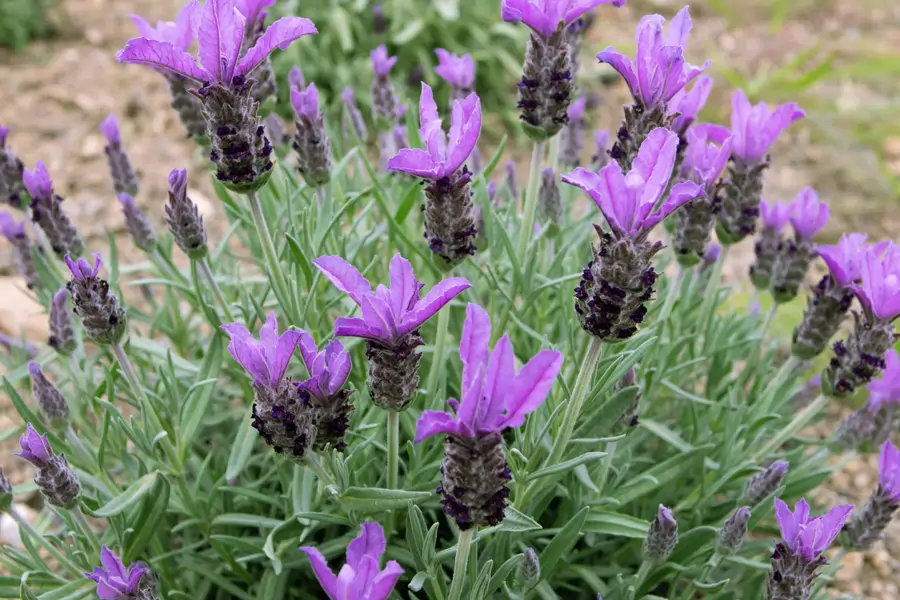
(22, 21)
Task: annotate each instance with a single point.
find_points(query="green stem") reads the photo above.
(789, 366)
(707, 569)
(710, 294)
(163, 265)
(279, 283)
(530, 207)
(393, 456)
(85, 527)
(770, 316)
(639, 578)
(26, 527)
(461, 564)
(553, 153)
(207, 271)
(437, 361)
(799, 422)
(576, 401)
(75, 443)
(313, 463)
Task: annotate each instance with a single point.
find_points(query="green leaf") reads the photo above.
(412, 196)
(711, 587)
(409, 32)
(135, 492)
(321, 517)
(148, 520)
(568, 465)
(373, 500)
(517, 522)
(242, 447)
(479, 589)
(503, 573)
(562, 543)
(666, 435)
(341, 24)
(617, 524)
(662, 475)
(246, 520)
(25, 593)
(196, 401)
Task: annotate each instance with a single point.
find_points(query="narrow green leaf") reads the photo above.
(246, 520)
(666, 435)
(568, 465)
(135, 492)
(148, 520)
(197, 399)
(517, 522)
(616, 524)
(373, 500)
(562, 543)
(242, 447)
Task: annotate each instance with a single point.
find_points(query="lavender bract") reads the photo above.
(240, 149)
(121, 172)
(14, 232)
(550, 210)
(328, 372)
(619, 280)
(55, 478)
(184, 219)
(495, 397)
(361, 577)
(95, 304)
(384, 100)
(62, 334)
(50, 401)
(685, 105)
(137, 224)
(458, 71)
(769, 245)
(115, 582)
(12, 171)
(48, 214)
(449, 217)
(870, 426)
(868, 524)
(390, 323)
(571, 143)
(311, 141)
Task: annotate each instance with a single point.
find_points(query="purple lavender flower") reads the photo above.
(95, 304)
(662, 537)
(879, 290)
(704, 159)
(886, 389)
(48, 214)
(114, 581)
(384, 99)
(610, 299)
(254, 13)
(449, 218)
(328, 372)
(495, 397)
(361, 577)
(311, 141)
(844, 259)
(120, 170)
(458, 71)
(51, 403)
(770, 243)
(137, 224)
(685, 105)
(874, 423)
(544, 16)
(183, 217)
(572, 141)
(867, 525)
(281, 415)
(889, 461)
(755, 129)
(14, 232)
(62, 334)
(797, 559)
(390, 323)
(12, 185)
(240, 149)
(808, 216)
(55, 478)
(353, 123)
(380, 21)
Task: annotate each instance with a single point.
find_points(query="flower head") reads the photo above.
(82, 269)
(775, 215)
(880, 288)
(844, 259)
(306, 102)
(361, 577)
(494, 396)
(35, 447)
(38, 182)
(659, 71)
(757, 127)
(220, 33)
(544, 16)
(442, 157)
(381, 62)
(11, 229)
(348, 96)
(387, 313)
(887, 388)
(889, 469)
(685, 106)
(114, 581)
(110, 130)
(265, 359)
(181, 33)
(809, 536)
(458, 71)
(296, 78)
(709, 147)
(627, 200)
(328, 370)
(576, 110)
(808, 215)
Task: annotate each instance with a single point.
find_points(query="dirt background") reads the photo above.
(839, 60)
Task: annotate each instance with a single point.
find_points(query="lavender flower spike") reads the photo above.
(328, 372)
(361, 577)
(458, 71)
(280, 414)
(550, 210)
(768, 247)
(867, 525)
(871, 425)
(12, 184)
(755, 129)
(14, 232)
(384, 99)
(808, 216)
(55, 478)
(495, 397)
(449, 212)
(571, 143)
(137, 224)
(659, 72)
(797, 559)
(115, 582)
(62, 334)
(610, 299)
(95, 304)
(862, 356)
(352, 123)
(764, 483)
(51, 403)
(311, 141)
(183, 217)
(662, 537)
(240, 149)
(390, 323)
(120, 170)
(831, 298)
(47, 212)
(734, 530)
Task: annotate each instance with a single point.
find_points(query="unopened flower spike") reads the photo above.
(755, 129)
(528, 574)
(861, 357)
(181, 33)
(571, 144)
(870, 426)
(51, 403)
(311, 141)
(390, 323)
(137, 224)
(54, 477)
(550, 210)
(95, 304)
(324, 390)
(868, 524)
(281, 414)
(116, 582)
(361, 577)
(704, 159)
(547, 84)
(121, 171)
(494, 397)
(353, 123)
(797, 559)
(662, 537)
(512, 185)
(768, 246)
(601, 149)
(384, 100)
(734, 530)
(240, 149)
(610, 300)
(47, 212)
(657, 75)
(62, 334)
(764, 483)
(12, 172)
(264, 90)
(831, 298)
(14, 232)
(808, 218)
(449, 212)
(380, 22)
(630, 418)
(183, 217)
(458, 71)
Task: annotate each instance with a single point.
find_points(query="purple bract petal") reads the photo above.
(809, 536)
(38, 182)
(757, 127)
(808, 216)
(458, 71)
(687, 105)
(82, 269)
(880, 288)
(845, 258)
(110, 130)
(35, 447)
(886, 389)
(544, 16)
(279, 35)
(306, 102)
(165, 56)
(889, 469)
(775, 215)
(10, 228)
(381, 63)
(265, 359)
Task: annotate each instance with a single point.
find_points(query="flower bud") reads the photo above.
(51, 403)
(12, 185)
(394, 371)
(62, 334)
(353, 123)
(188, 105)
(764, 483)
(121, 172)
(741, 196)
(450, 217)
(183, 217)
(137, 224)
(101, 316)
(528, 574)
(731, 536)
(662, 537)
(55, 478)
(475, 482)
(549, 199)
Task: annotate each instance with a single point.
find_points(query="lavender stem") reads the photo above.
(207, 271)
(531, 199)
(461, 564)
(281, 288)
